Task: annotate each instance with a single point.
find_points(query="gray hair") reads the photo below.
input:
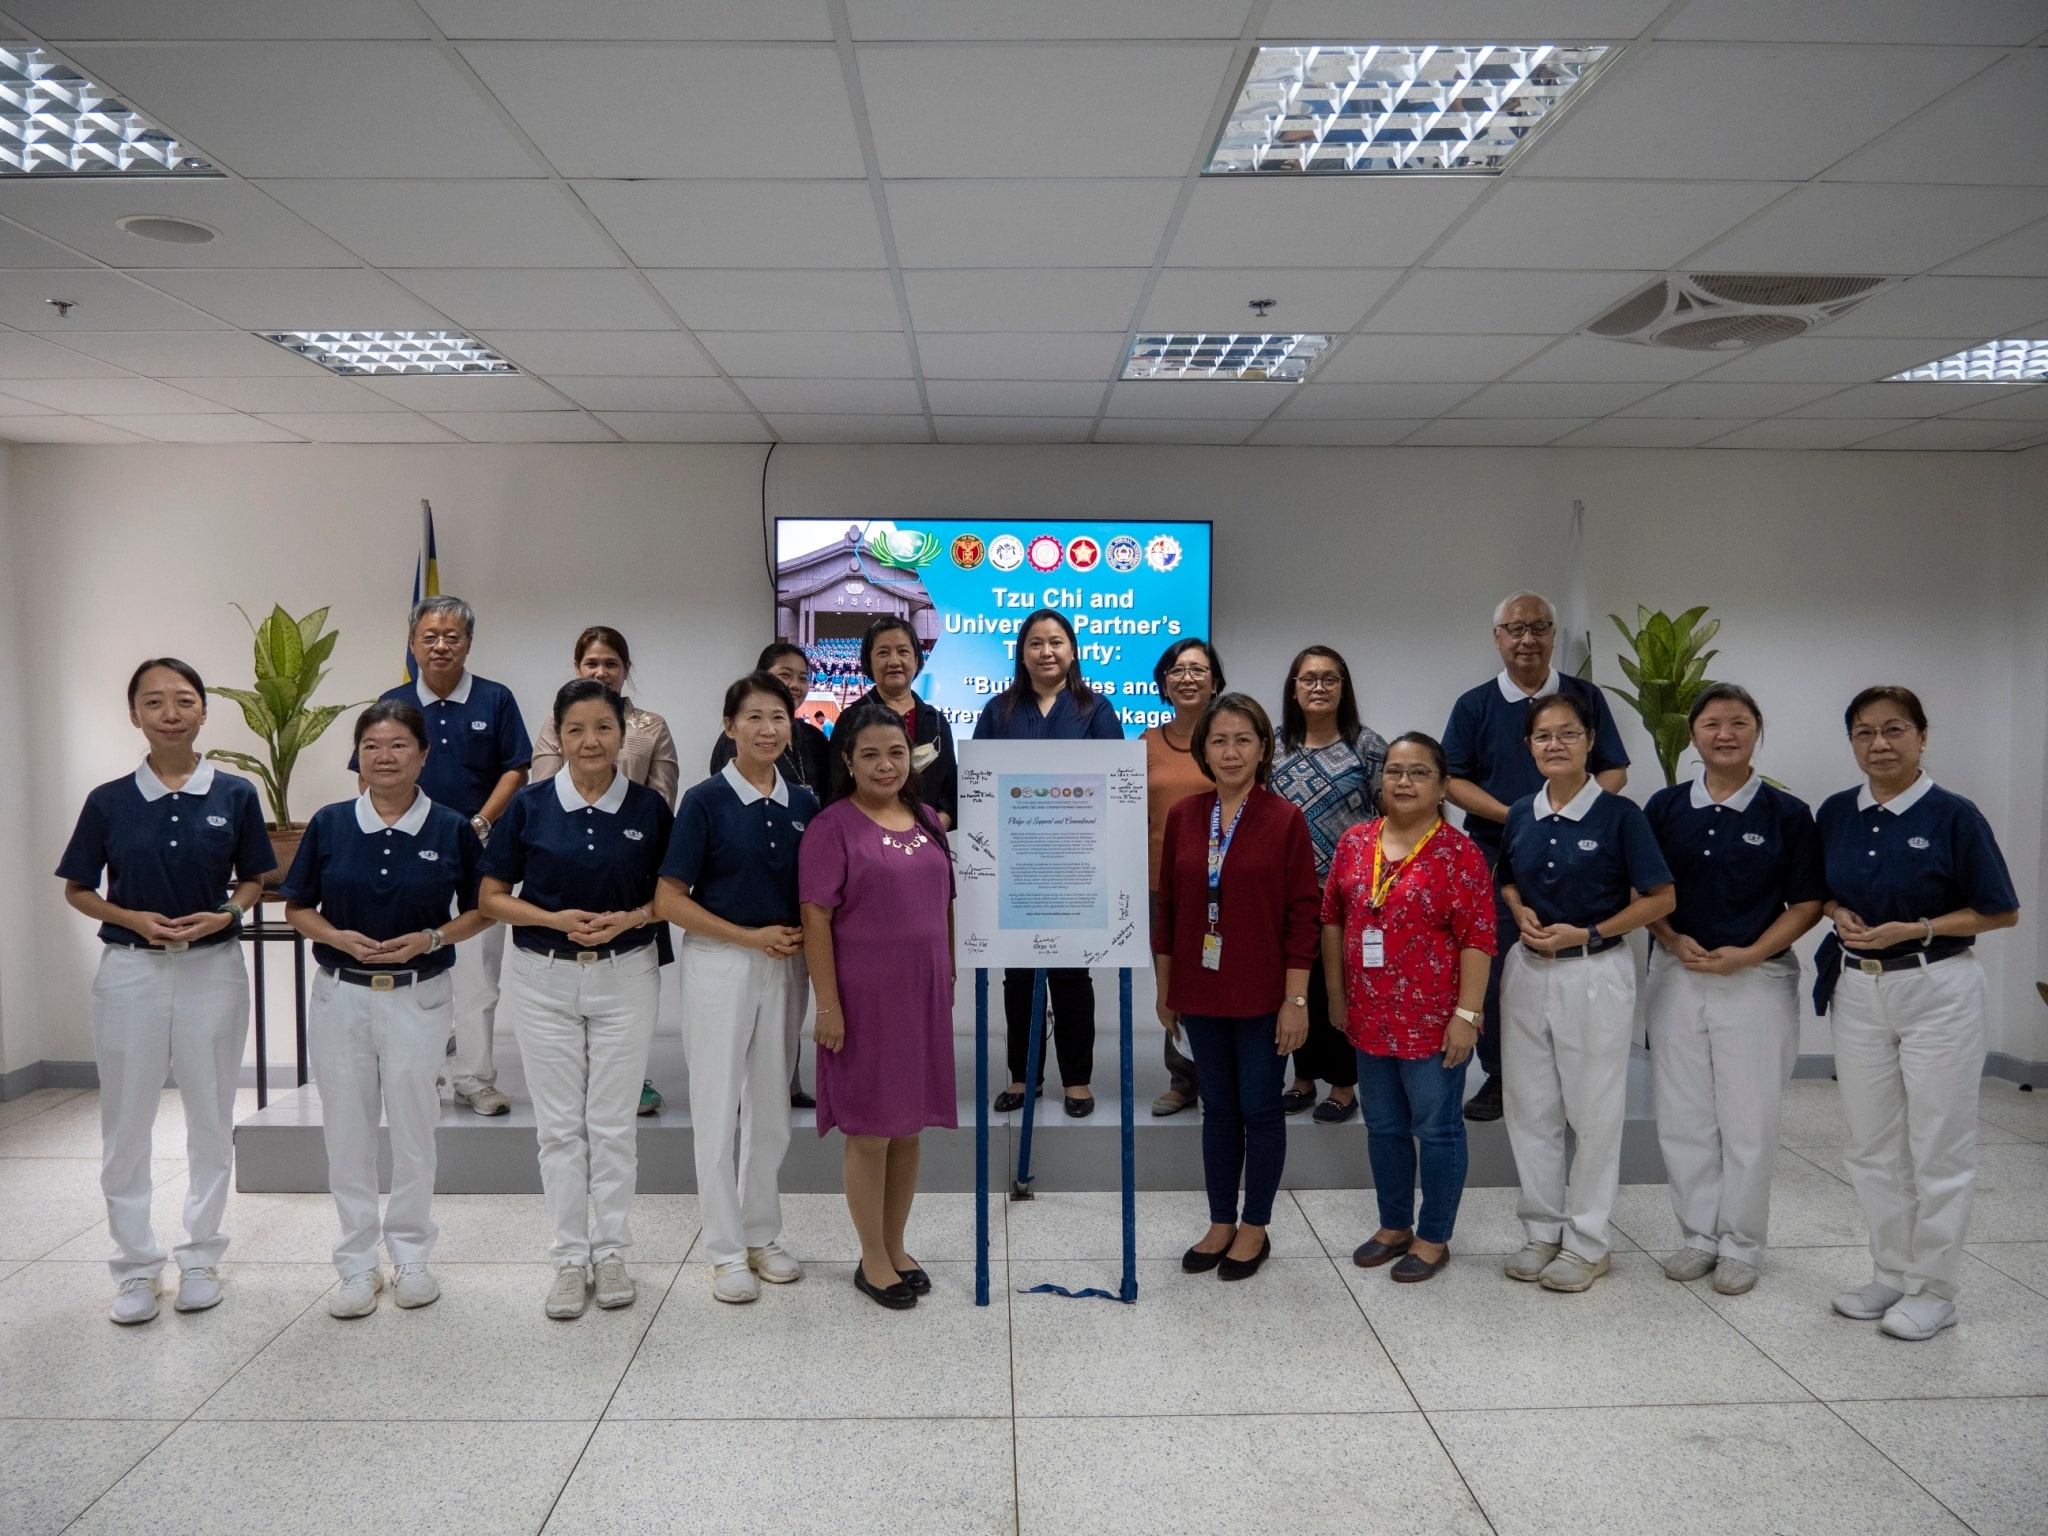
(434, 607)
(1500, 611)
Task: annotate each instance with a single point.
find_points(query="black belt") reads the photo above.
(1932, 955)
(378, 981)
(1577, 951)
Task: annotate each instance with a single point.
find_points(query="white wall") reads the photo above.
(1829, 571)
(20, 1031)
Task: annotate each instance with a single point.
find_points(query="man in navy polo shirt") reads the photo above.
(477, 753)
(1491, 768)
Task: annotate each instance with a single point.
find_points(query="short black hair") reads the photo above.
(184, 669)
(888, 623)
(1581, 712)
(1429, 744)
(1883, 693)
(401, 711)
(775, 650)
(1262, 726)
(762, 681)
(581, 690)
(1171, 654)
(1724, 693)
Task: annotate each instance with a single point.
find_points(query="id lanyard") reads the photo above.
(1219, 849)
(1372, 943)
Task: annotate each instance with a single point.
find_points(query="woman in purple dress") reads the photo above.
(875, 877)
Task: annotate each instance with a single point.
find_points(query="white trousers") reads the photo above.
(154, 1011)
(478, 964)
(1566, 1026)
(741, 1012)
(1909, 1055)
(583, 1034)
(379, 1053)
(1721, 1048)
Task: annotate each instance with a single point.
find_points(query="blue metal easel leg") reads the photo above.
(1034, 1059)
(981, 1137)
(1129, 1290)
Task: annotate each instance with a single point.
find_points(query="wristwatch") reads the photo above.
(228, 906)
(481, 827)
(1299, 1002)
(1467, 1015)
(1592, 934)
(434, 940)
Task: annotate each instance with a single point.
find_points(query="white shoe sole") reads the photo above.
(347, 1313)
(1860, 1314)
(611, 1301)
(762, 1274)
(180, 1305)
(409, 1303)
(736, 1301)
(134, 1322)
(1915, 1337)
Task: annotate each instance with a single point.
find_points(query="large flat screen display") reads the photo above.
(967, 584)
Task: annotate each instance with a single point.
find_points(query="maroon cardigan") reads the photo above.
(1271, 906)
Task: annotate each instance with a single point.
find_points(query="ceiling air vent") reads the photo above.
(1729, 311)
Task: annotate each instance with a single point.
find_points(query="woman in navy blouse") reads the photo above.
(1913, 876)
(1579, 868)
(171, 838)
(385, 887)
(1723, 994)
(584, 847)
(1049, 700)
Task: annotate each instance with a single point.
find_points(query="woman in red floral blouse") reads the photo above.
(1408, 939)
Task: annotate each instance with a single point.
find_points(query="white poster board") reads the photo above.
(1050, 854)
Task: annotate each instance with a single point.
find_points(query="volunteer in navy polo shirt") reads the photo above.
(385, 885)
(1913, 875)
(476, 762)
(1723, 991)
(183, 849)
(1491, 768)
(1579, 868)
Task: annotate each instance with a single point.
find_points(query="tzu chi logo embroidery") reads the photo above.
(430, 856)
(479, 725)
(1918, 844)
(633, 834)
(1588, 844)
(216, 821)
(1754, 839)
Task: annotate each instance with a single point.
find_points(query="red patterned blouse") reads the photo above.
(1441, 903)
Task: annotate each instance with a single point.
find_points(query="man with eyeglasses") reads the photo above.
(1491, 768)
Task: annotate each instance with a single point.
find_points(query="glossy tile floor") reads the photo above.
(1317, 1397)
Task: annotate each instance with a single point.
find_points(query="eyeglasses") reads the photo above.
(1318, 682)
(1187, 675)
(1540, 629)
(1410, 775)
(1558, 738)
(1864, 735)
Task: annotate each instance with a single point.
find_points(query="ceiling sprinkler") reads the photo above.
(1260, 306)
(62, 306)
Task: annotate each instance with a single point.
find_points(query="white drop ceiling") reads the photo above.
(911, 221)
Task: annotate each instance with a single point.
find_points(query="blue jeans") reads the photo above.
(1244, 1130)
(1406, 1103)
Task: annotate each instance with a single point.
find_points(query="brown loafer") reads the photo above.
(1414, 1269)
(1372, 1253)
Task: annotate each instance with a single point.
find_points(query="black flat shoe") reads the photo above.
(1331, 1112)
(897, 1298)
(1486, 1103)
(1079, 1109)
(1295, 1100)
(1196, 1262)
(1372, 1253)
(1007, 1101)
(1414, 1269)
(798, 1099)
(916, 1281)
(1244, 1269)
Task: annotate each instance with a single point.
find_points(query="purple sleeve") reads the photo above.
(821, 864)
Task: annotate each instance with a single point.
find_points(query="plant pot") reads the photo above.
(284, 843)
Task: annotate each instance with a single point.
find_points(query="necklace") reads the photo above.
(917, 841)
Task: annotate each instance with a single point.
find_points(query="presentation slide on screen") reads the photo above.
(967, 584)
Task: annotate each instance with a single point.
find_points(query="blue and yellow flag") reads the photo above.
(426, 579)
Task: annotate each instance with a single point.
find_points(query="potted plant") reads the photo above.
(290, 656)
(1669, 670)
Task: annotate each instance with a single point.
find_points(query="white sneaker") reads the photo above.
(485, 1101)
(357, 1295)
(570, 1294)
(135, 1302)
(414, 1285)
(1569, 1272)
(1690, 1264)
(198, 1289)
(1734, 1277)
(734, 1282)
(615, 1287)
(1867, 1303)
(1530, 1262)
(1918, 1317)
(774, 1264)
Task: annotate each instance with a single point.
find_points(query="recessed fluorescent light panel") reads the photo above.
(1223, 355)
(1372, 109)
(392, 352)
(1996, 362)
(55, 122)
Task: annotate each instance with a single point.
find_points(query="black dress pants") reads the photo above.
(1070, 994)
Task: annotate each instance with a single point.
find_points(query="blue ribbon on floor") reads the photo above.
(981, 1137)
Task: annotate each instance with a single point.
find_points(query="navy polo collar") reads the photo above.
(429, 698)
(570, 798)
(747, 793)
(410, 823)
(1576, 808)
(1739, 801)
(1512, 690)
(154, 789)
(1899, 804)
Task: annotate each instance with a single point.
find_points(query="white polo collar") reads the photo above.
(154, 788)
(1739, 801)
(747, 793)
(410, 823)
(1576, 808)
(1899, 804)
(429, 698)
(1512, 690)
(570, 798)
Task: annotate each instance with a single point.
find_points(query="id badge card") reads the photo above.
(1212, 951)
(1372, 949)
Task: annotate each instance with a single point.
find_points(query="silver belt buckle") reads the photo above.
(383, 983)
(177, 946)
(1871, 967)
(588, 957)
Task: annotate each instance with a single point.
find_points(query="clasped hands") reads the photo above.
(1857, 934)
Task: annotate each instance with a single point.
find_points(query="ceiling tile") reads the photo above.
(1501, 303)
(1867, 227)
(1836, 360)
(1425, 359)
(197, 354)
(673, 427)
(110, 397)
(224, 427)
(850, 429)
(1095, 355)
(1540, 400)
(252, 230)
(106, 301)
(2003, 23)
(1374, 433)
(986, 20)
(2028, 404)
(442, 393)
(742, 300)
(1729, 401)
(1204, 399)
(1107, 111)
(1991, 131)
(1726, 111)
(1795, 432)
(832, 397)
(1447, 433)
(1012, 429)
(1594, 359)
(1986, 307)
(315, 109)
(525, 427)
(639, 353)
(1448, 21)
(1909, 399)
(21, 249)
(634, 20)
(31, 357)
(1021, 223)
(450, 223)
(1014, 397)
(1643, 432)
(1040, 298)
(1316, 401)
(1117, 429)
(650, 394)
(810, 354)
(318, 391)
(67, 20)
(664, 109)
(740, 223)
(61, 429)
(1368, 221)
(1956, 436)
(1599, 224)
(298, 299)
(484, 298)
(2021, 255)
(362, 427)
(1219, 299)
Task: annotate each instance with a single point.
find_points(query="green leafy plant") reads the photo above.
(1669, 669)
(290, 657)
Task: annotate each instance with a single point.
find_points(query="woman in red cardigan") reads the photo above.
(1238, 910)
